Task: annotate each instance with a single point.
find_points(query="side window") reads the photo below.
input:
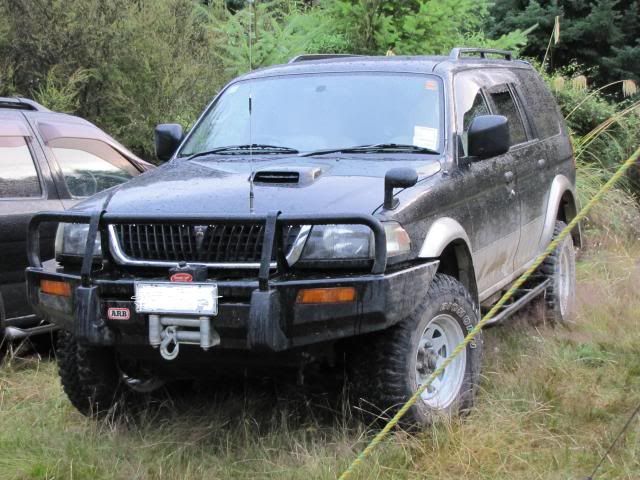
(18, 175)
(505, 105)
(479, 107)
(90, 166)
(540, 102)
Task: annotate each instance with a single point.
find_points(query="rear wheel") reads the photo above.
(560, 268)
(389, 366)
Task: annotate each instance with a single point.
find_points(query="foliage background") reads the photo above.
(129, 65)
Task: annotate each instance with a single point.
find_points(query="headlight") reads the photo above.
(71, 240)
(353, 242)
(330, 242)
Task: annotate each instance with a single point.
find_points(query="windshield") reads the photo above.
(326, 111)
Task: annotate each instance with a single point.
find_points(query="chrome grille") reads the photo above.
(214, 243)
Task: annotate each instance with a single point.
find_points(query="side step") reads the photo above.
(16, 333)
(521, 301)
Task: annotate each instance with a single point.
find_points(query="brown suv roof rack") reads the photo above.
(19, 103)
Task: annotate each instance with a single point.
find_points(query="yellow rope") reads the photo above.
(462, 345)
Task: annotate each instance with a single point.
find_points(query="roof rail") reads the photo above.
(19, 103)
(320, 56)
(457, 53)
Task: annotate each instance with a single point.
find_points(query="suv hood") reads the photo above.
(295, 185)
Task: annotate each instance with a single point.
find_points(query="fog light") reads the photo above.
(327, 295)
(52, 287)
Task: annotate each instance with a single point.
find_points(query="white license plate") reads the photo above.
(177, 298)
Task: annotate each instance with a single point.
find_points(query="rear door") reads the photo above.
(25, 188)
(549, 155)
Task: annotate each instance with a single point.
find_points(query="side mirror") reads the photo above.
(400, 177)
(488, 136)
(167, 137)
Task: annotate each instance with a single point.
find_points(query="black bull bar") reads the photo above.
(264, 331)
(273, 221)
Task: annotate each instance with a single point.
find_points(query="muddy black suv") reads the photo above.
(362, 210)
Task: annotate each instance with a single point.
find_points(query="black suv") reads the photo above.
(48, 161)
(356, 208)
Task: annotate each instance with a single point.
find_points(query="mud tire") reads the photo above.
(89, 375)
(557, 309)
(382, 366)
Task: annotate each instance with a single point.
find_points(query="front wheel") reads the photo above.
(388, 367)
(95, 380)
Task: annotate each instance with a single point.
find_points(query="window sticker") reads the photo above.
(431, 85)
(425, 137)
(233, 89)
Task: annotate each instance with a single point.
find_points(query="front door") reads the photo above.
(490, 187)
(23, 192)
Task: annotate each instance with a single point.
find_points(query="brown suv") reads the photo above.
(48, 161)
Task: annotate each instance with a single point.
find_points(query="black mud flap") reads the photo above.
(264, 332)
(89, 327)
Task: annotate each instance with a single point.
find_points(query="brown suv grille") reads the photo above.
(217, 243)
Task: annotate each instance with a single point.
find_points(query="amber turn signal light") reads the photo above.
(327, 295)
(52, 287)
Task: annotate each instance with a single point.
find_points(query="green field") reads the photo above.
(551, 400)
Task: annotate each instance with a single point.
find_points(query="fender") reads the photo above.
(441, 233)
(559, 187)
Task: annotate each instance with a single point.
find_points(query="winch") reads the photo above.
(168, 332)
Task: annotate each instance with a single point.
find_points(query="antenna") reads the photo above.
(251, 196)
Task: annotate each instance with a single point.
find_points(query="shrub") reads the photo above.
(124, 65)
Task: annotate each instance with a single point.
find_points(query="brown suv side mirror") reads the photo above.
(488, 136)
(167, 137)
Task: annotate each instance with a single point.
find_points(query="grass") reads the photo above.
(551, 401)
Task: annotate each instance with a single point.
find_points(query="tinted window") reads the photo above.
(479, 107)
(505, 105)
(323, 111)
(18, 175)
(90, 166)
(540, 103)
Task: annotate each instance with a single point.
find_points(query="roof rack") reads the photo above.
(457, 53)
(320, 56)
(19, 103)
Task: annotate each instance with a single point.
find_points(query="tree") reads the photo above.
(123, 65)
(601, 35)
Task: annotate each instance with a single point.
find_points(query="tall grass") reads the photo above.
(551, 400)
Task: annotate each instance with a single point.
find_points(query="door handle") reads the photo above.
(508, 177)
(542, 162)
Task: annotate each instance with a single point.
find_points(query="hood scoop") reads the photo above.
(294, 176)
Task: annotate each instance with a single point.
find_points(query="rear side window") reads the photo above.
(505, 105)
(540, 103)
(90, 166)
(18, 175)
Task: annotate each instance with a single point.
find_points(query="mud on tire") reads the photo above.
(89, 375)
(560, 267)
(387, 367)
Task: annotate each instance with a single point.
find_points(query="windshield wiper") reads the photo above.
(373, 148)
(243, 149)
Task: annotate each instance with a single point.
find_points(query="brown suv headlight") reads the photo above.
(71, 241)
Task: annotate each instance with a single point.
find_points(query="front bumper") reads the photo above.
(255, 313)
(248, 318)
